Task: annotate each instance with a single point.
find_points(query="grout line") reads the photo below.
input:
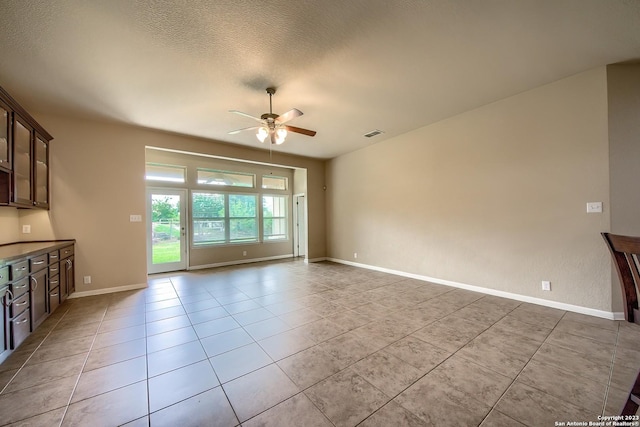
(146, 358)
(75, 386)
(613, 361)
(32, 352)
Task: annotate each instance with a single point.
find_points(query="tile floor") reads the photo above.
(291, 344)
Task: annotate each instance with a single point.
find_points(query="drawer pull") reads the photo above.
(38, 262)
(19, 304)
(52, 295)
(53, 256)
(54, 282)
(21, 286)
(20, 322)
(22, 268)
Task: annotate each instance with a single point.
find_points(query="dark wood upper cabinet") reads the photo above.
(24, 157)
(5, 137)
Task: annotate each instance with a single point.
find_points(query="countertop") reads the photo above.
(12, 251)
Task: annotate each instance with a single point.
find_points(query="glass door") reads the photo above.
(22, 163)
(41, 172)
(166, 230)
(5, 127)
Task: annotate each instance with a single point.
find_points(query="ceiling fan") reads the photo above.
(273, 125)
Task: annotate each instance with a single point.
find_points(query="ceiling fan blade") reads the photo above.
(301, 130)
(246, 115)
(289, 115)
(233, 132)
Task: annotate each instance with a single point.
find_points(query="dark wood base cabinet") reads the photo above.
(32, 286)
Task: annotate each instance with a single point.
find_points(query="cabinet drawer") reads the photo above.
(66, 252)
(38, 263)
(54, 299)
(19, 329)
(20, 287)
(18, 305)
(54, 268)
(54, 256)
(4, 275)
(54, 281)
(19, 270)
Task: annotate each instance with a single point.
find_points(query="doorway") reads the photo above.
(299, 226)
(166, 230)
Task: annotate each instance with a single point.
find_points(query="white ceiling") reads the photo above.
(351, 66)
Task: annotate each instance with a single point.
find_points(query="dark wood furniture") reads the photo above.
(32, 286)
(625, 251)
(24, 157)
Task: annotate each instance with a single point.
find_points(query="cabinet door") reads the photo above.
(41, 172)
(4, 316)
(71, 275)
(5, 137)
(67, 278)
(39, 297)
(62, 280)
(22, 184)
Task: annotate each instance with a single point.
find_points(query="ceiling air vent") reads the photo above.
(373, 133)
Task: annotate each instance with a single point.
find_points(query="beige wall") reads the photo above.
(623, 82)
(623, 89)
(9, 225)
(494, 197)
(97, 181)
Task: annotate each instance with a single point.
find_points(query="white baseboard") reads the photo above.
(241, 261)
(307, 260)
(524, 298)
(108, 290)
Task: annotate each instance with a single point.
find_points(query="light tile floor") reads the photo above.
(291, 344)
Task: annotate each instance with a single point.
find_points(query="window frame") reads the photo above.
(212, 185)
(284, 178)
(157, 182)
(226, 219)
(286, 216)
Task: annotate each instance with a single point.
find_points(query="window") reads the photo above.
(225, 178)
(274, 217)
(208, 213)
(224, 218)
(243, 222)
(270, 182)
(165, 173)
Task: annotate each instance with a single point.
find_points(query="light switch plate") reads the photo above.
(594, 207)
(135, 218)
(26, 229)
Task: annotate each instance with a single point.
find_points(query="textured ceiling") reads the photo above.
(350, 66)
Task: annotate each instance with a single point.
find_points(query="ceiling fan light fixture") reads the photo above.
(281, 134)
(262, 134)
(272, 125)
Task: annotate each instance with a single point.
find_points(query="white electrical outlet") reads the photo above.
(244, 253)
(87, 280)
(135, 218)
(355, 255)
(546, 285)
(26, 229)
